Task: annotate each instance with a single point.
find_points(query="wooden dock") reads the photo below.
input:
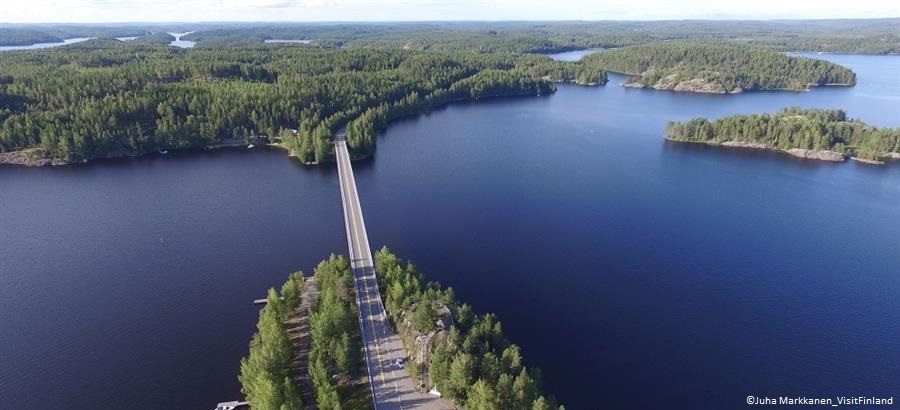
(263, 301)
(231, 405)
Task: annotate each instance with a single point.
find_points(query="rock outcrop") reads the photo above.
(705, 83)
(868, 161)
(754, 145)
(819, 155)
(33, 157)
(419, 345)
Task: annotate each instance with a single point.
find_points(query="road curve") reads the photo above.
(391, 386)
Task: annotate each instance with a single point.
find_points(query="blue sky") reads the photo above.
(13, 11)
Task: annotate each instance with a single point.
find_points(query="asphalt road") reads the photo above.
(391, 386)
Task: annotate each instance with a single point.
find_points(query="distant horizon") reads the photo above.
(397, 11)
(351, 22)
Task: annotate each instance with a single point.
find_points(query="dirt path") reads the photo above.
(298, 333)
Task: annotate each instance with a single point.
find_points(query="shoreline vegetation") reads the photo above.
(463, 355)
(824, 135)
(453, 350)
(34, 157)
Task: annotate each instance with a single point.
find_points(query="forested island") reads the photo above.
(106, 98)
(468, 358)
(807, 133)
(707, 68)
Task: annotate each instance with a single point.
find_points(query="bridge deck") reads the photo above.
(391, 386)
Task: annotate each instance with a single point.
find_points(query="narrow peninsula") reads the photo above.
(454, 351)
(828, 135)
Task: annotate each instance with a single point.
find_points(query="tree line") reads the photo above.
(729, 67)
(23, 35)
(476, 366)
(793, 127)
(334, 356)
(104, 98)
(872, 36)
(882, 44)
(265, 372)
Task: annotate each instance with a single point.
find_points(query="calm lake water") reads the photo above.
(178, 42)
(277, 41)
(46, 45)
(636, 273)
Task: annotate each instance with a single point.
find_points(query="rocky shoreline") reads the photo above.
(696, 85)
(817, 155)
(31, 157)
(822, 155)
(704, 86)
(868, 161)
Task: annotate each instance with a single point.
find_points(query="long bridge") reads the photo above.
(390, 384)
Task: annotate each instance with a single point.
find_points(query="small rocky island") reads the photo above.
(716, 69)
(827, 135)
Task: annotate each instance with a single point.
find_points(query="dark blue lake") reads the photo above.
(636, 273)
